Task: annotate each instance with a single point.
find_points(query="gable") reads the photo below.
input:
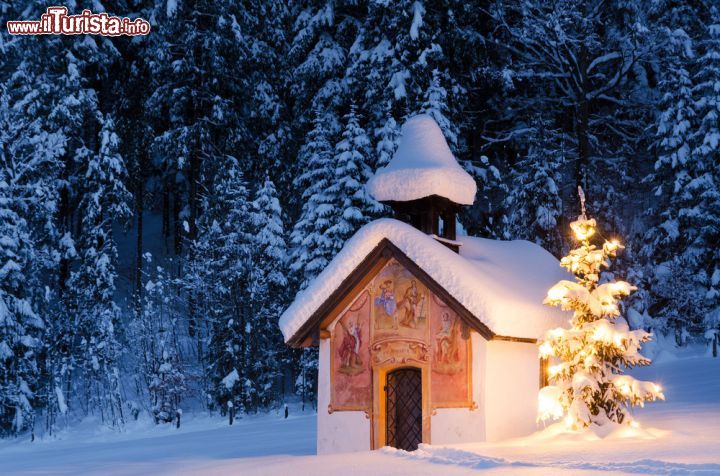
(396, 320)
(309, 333)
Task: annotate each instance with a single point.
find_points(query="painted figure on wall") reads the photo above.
(386, 301)
(400, 304)
(450, 341)
(412, 306)
(350, 359)
(352, 380)
(446, 341)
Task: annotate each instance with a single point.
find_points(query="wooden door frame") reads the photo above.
(379, 416)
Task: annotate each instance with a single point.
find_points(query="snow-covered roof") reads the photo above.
(501, 283)
(423, 165)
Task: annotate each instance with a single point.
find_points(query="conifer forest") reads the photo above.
(164, 197)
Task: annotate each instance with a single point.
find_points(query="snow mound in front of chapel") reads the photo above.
(502, 283)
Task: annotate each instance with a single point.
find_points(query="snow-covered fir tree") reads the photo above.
(335, 206)
(321, 36)
(56, 115)
(312, 249)
(352, 205)
(435, 105)
(267, 292)
(677, 250)
(264, 26)
(534, 203)
(588, 385)
(661, 270)
(21, 328)
(699, 189)
(218, 276)
(155, 334)
(194, 108)
(31, 161)
(675, 122)
(387, 141)
(96, 351)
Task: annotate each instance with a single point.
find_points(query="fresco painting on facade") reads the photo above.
(352, 382)
(386, 305)
(450, 342)
(400, 307)
(397, 320)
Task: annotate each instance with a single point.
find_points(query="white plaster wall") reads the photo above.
(338, 432)
(462, 425)
(512, 379)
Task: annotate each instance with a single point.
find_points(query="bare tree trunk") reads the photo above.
(583, 158)
(177, 226)
(64, 214)
(165, 215)
(192, 235)
(139, 209)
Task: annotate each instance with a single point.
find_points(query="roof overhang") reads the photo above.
(309, 333)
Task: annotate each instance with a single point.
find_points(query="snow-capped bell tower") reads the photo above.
(423, 183)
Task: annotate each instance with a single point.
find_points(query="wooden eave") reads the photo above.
(310, 332)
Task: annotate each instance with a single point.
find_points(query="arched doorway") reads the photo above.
(404, 407)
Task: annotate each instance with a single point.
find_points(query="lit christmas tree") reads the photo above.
(588, 384)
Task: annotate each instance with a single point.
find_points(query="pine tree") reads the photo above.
(387, 141)
(534, 204)
(661, 270)
(588, 386)
(96, 352)
(318, 54)
(267, 292)
(265, 26)
(219, 277)
(154, 332)
(675, 122)
(312, 249)
(195, 108)
(435, 105)
(699, 187)
(399, 66)
(53, 96)
(352, 206)
(21, 328)
(30, 158)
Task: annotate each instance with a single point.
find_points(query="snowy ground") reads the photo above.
(680, 436)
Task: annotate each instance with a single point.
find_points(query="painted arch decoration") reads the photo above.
(396, 319)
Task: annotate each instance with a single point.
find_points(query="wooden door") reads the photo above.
(403, 392)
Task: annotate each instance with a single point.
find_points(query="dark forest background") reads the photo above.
(163, 198)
